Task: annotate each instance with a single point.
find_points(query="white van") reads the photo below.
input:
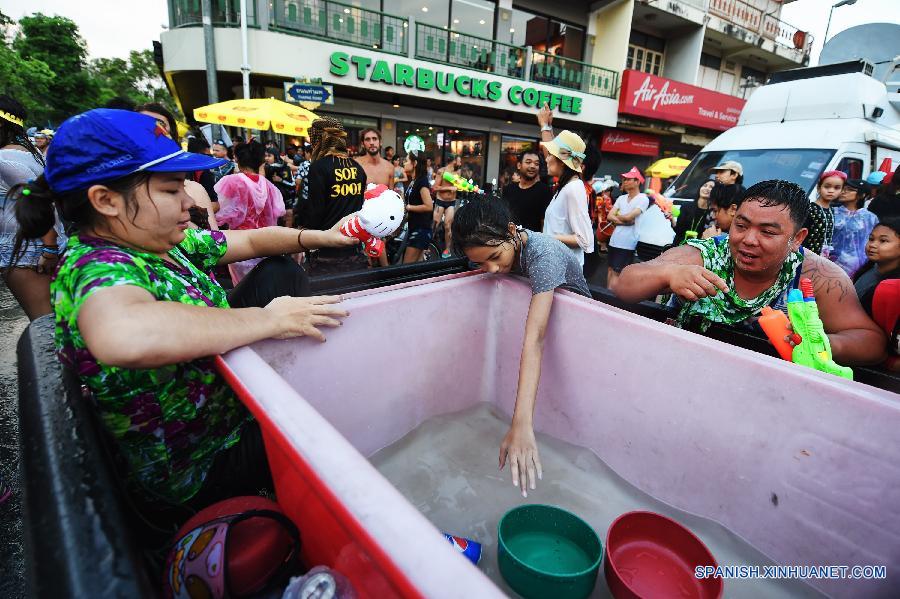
(804, 123)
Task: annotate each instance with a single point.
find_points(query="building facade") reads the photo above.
(640, 79)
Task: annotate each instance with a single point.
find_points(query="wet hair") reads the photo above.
(250, 155)
(10, 133)
(777, 192)
(35, 202)
(725, 196)
(120, 103)
(160, 109)
(328, 138)
(481, 221)
(197, 145)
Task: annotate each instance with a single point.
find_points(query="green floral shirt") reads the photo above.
(169, 422)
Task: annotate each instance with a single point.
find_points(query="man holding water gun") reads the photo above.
(730, 279)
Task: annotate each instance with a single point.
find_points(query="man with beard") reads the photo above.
(529, 197)
(729, 279)
(378, 170)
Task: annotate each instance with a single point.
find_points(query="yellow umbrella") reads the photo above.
(258, 113)
(667, 167)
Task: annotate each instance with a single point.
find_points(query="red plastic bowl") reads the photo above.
(650, 556)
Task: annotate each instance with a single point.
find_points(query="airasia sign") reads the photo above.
(626, 142)
(654, 97)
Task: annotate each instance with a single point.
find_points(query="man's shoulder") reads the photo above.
(815, 266)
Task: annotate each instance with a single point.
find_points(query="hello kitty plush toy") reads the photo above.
(381, 215)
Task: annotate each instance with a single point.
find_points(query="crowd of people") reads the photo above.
(120, 233)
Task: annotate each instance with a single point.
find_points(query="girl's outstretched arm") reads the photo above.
(519, 444)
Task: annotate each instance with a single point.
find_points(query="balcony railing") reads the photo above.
(188, 13)
(342, 22)
(573, 74)
(738, 12)
(470, 51)
(786, 34)
(749, 17)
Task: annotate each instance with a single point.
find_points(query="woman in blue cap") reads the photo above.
(138, 316)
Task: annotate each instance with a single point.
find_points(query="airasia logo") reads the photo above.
(647, 93)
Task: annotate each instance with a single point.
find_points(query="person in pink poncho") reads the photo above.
(248, 200)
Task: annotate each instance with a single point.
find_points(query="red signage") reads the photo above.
(626, 142)
(666, 100)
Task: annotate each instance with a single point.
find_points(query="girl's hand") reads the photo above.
(524, 462)
(336, 239)
(302, 316)
(47, 264)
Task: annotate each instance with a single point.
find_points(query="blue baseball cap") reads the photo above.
(875, 178)
(105, 144)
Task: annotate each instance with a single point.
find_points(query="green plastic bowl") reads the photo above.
(546, 551)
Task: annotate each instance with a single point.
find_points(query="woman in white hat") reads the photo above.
(566, 218)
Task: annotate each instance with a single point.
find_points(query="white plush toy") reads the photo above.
(381, 215)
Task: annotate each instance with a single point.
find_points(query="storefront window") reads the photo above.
(442, 142)
(470, 146)
(475, 17)
(433, 136)
(510, 148)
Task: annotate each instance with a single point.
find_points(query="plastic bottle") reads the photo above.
(320, 583)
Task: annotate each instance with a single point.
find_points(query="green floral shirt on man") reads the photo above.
(168, 422)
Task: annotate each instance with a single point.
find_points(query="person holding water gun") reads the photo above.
(729, 279)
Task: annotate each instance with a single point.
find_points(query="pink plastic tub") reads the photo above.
(804, 466)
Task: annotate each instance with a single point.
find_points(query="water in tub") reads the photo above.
(447, 468)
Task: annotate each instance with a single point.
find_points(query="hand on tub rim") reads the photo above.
(520, 447)
(302, 316)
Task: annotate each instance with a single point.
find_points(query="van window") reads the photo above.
(852, 166)
(800, 166)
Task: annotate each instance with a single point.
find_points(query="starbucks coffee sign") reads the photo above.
(447, 82)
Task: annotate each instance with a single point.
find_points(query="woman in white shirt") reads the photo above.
(566, 217)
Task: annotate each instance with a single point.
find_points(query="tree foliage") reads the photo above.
(44, 64)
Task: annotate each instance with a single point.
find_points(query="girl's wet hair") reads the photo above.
(35, 203)
(479, 222)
